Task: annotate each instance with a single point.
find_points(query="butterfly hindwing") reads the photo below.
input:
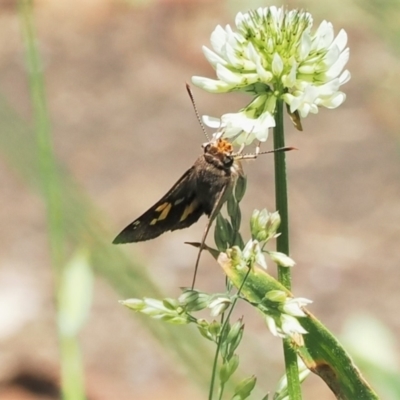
(178, 209)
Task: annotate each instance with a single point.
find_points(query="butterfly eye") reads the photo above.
(207, 147)
(227, 160)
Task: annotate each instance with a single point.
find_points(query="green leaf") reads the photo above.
(239, 241)
(236, 219)
(240, 188)
(321, 352)
(231, 206)
(222, 232)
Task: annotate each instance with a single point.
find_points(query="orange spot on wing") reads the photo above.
(165, 211)
(188, 210)
(162, 206)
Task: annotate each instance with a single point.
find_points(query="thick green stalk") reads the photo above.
(281, 195)
(281, 202)
(71, 366)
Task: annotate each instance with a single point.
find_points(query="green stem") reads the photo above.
(71, 365)
(48, 171)
(214, 369)
(281, 195)
(284, 275)
(72, 369)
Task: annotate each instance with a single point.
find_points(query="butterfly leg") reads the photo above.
(217, 207)
(203, 240)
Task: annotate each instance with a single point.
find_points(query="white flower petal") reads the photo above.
(293, 308)
(265, 122)
(331, 57)
(260, 260)
(231, 78)
(289, 80)
(213, 58)
(324, 35)
(305, 45)
(341, 40)
(334, 101)
(271, 325)
(277, 64)
(248, 249)
(212, 85)
(212, 122)
(338, 66)
(218, 39)
(291, 325)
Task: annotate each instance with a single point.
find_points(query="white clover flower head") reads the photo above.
(273, 54)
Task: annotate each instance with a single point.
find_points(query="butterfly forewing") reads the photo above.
(178, 209)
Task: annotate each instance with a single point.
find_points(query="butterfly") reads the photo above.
(202, 189)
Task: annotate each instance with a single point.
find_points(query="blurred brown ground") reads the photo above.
(124, 127)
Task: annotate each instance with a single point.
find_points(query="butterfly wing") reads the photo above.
(178, 209)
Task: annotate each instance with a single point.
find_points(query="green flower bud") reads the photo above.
(264, 225)
(277, 296)
(281, 259)
(228, 369)
(219, 305)
(245, 387)
(193, 300)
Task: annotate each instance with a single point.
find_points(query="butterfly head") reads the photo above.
(219, 152)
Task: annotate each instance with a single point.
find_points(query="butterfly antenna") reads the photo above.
(189, 90)
(278, 150)
(255, 155)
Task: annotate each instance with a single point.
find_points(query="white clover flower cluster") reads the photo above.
(273, 55)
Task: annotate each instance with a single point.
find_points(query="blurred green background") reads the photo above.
(123, 131)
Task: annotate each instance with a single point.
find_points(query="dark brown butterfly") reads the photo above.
(202, 189)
